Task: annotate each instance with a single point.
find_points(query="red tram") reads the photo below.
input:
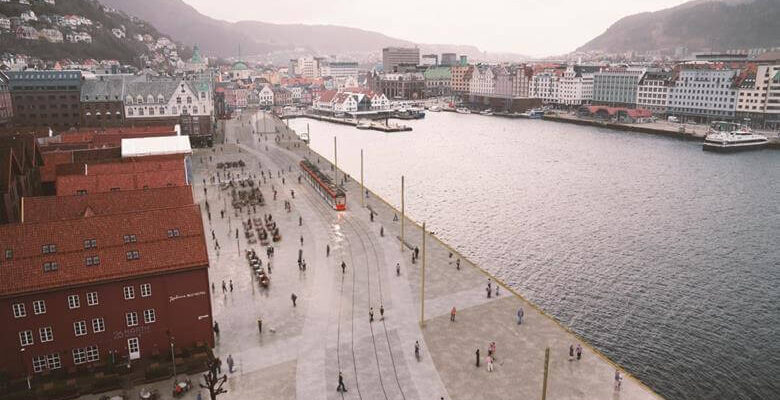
(331, 193)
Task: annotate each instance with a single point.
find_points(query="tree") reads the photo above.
(213, 382)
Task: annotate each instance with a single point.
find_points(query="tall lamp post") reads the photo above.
(173, 360)
(26, 370)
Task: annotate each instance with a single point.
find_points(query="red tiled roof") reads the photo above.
(55, 208)
(158, 253)
(327, 95)
(125, 174)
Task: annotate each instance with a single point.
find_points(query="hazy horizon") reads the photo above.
(534, 28)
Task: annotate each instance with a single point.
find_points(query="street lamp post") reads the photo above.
(173, 360)
(26, 370)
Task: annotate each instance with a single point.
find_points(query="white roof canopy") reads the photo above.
(153, 146)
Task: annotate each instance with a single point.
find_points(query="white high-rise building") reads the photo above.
(704, 91)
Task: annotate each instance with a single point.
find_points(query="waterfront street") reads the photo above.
(329, 330)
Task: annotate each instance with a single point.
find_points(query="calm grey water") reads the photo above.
(663, 256)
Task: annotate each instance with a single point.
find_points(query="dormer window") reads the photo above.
(9, 254)
(90, 243)
(131, 238)
(172, 233)
(49, 248)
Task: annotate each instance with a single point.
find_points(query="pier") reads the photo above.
(375, 126)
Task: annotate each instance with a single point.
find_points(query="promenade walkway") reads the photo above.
(302, 348)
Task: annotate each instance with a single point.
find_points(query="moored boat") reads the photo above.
(728, 137)
(463, 110)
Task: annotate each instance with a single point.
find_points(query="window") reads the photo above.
(79, 356)
(46, 334)
(92, 260)
(93, 354)
(146, 290)
(19, 310)
(25, 338)
(49, 248)
(172, 233)
(131, 318)
(9, 254)
(73, 301)
(90, 243)
(149, 316)
(39, 307)
(80, 328)
(50, 266)
(133, 255)
(53, 361)
(129, 292)
(92, 298)
(39, 363)
(81, 192)
(98, 325)
(130, 239)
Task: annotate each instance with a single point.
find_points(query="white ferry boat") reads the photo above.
(487, 112)
(434, 108)
(729, 136)
(463, 110)
(364, 125)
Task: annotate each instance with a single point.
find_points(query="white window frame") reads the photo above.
(150, 316)
(80, 328)
(53, 361)
(93, 353)
(46, 334)
(92, 299)
(74, 301)
(146, 290)
(26, 338)
(19, 310)
(39, 363)
(39, 307)
(98, 325)
(79, 356)
(129, 292)
(131, 318)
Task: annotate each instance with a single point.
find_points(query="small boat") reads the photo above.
(536, 114)
(409, 114)
(463, 110)
(434, 109)
(364, 125)
(727, 137)
(487, 112)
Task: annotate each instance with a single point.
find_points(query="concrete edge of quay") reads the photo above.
(498, 281)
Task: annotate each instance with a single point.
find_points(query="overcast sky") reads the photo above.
(530, 27)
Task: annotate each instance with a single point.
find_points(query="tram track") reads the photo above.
(361, 231)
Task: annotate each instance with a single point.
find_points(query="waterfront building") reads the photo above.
(652, 92)
(482, 81)
(407, 86)
(449, 59)
(437, 81)
(393, 57)
(512, 82)
(46, 98)
(544, 85)
(102, 286)
(617, 87)
(576, 85)
(430, 60)
(6, 105)
(266, 96)
(704, 91)
(102, 102)
(759, 95)
(460, 79)
(282, 96)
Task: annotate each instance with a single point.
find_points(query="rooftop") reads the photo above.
(162, 145)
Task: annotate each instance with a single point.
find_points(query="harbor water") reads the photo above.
(662, 256)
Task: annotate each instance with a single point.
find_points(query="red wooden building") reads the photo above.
(85, 286)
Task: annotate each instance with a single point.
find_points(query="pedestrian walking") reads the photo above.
(497, 290)
(219, 365)
(224, 287)
(212, 286)
(452, 314)
(492, 349)
(216, 328)
(327, 250)
(417, 350)
(213, 235)
(343, 267)
(579, 352)
(301, 240)
(457, 263)
(416, 252)
(259, 325)
(371, 314)
(292, 193)
(488, 291)
(412, 257)
(382, 231)
(571, 352)
(489, 362)
(231, 285)
(618, 379)
(371, 214)
(397, 269)
(477, 358)
(293, 297)
(520, 314)
(341, 387)
(300, 220)
(269, 266)
(230, 363)
(382, 312)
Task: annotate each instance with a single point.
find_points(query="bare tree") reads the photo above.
(213, 382)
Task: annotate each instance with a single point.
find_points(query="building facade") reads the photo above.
(703, 92)
(46, 98)
(616, 87)
(653, 91)
(460, 80)
(576, 85)
(544, 85)
(437, 81)
(6, 106)
(393, 57)
(759, 96)
(102, 103)
(407, 86)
